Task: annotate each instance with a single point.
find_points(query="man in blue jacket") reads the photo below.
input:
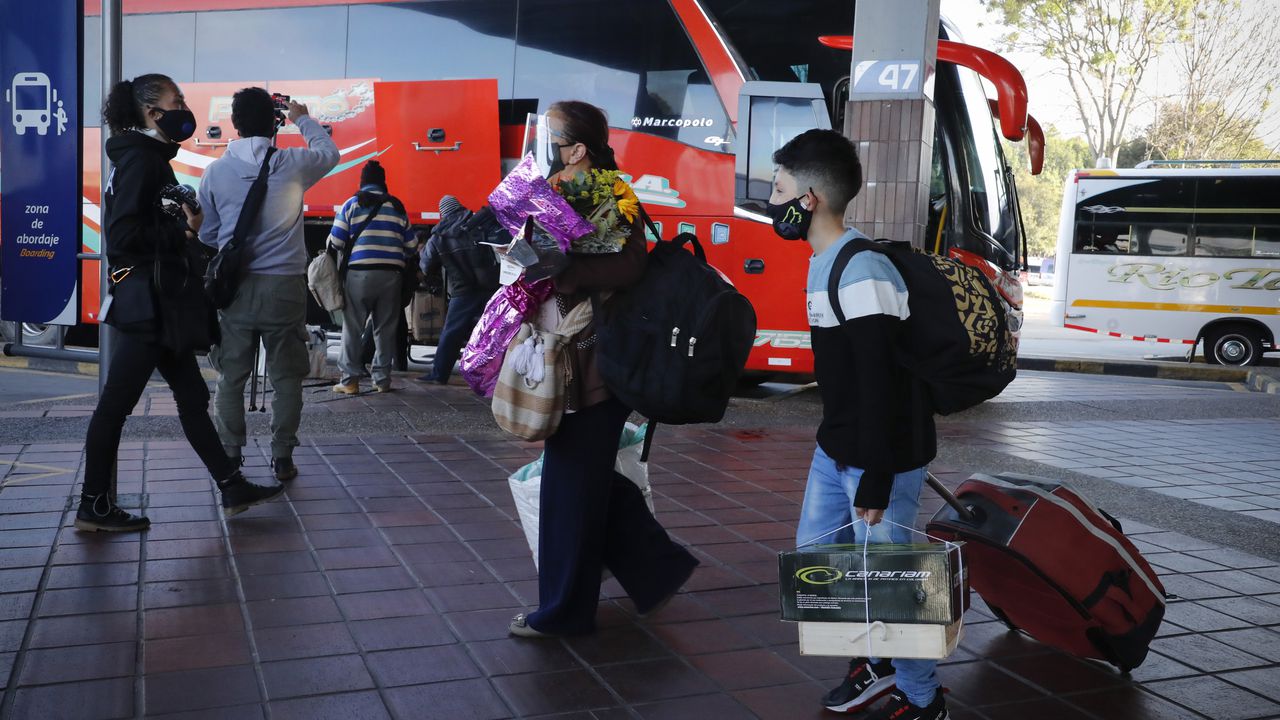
(877, 435)
(270, 305)
(470, 273)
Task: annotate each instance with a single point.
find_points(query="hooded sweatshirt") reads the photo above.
(274, 244)
(136, 230)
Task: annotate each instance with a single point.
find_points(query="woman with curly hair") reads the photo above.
(149, 256)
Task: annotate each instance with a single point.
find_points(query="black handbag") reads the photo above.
(188, 320)
(408, 283)
(131, 302)
(222, 278)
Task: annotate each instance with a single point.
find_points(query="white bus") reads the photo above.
(1172, 255)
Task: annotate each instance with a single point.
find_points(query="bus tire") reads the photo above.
(1232, 345)
(38, 334)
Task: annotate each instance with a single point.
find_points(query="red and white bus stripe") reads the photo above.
(1128, 337)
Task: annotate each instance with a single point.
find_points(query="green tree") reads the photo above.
(1040, 196)
(1206, 131)
(1228, 74)
(1104, 48)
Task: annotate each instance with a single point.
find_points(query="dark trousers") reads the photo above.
(592, 517)
(132, 362)
(460, 317)
(400, 360)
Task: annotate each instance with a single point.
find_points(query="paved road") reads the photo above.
(18, 387)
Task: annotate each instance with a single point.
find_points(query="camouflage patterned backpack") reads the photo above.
(957, 340)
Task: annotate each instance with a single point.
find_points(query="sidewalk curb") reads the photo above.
(1162, 370)
(1263, 382)
(72, 367)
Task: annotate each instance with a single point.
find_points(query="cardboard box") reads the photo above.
(918, 597)
(918, 583)
(888, 640)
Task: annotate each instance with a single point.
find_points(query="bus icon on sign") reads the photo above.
(31, 98)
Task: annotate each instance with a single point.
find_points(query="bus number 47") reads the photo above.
(890, 76)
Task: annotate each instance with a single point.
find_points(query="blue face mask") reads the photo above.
(791, 219)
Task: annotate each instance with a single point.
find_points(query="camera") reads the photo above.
(173, 197)
(281, 102)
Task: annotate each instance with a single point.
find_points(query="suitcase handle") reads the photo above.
(965, 513)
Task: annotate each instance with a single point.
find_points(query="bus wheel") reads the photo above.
(1232, 345)
(37, 334)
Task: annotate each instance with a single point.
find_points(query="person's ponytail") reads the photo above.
(120, 112)
(123, 108)
(603, 157)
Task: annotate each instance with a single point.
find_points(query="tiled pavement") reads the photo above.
(382, 588)
(1032, 386)
(1230, 464)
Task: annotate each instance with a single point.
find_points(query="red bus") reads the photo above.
(699, 93)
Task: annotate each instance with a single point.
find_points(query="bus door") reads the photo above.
(771, 272)
(438, 137)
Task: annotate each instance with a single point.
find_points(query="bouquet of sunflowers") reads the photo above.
(606, 201)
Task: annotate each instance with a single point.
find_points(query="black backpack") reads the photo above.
(672, 346)
(957, 341)
(483, 227)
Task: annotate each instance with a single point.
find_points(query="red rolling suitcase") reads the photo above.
(1051, 564)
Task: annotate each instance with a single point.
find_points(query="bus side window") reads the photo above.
(657, 87)
(774, 122)
(1267, 241)
(1224, 240)
(937, 239)
(1152, 239)
(1103, 238)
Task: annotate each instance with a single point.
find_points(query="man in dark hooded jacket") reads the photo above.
(470, 273)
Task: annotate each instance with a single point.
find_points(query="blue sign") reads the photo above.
(40, 160)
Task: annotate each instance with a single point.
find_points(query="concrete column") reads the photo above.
(890, 115)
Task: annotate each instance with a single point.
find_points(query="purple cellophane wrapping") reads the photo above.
(482, 357)
(523, 193)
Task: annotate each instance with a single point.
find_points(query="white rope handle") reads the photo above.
(866, 583)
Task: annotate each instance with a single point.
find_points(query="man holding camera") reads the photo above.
(270, 304)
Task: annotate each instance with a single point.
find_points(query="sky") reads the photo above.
(1050, 98)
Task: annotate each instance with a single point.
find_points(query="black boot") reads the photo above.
(100, 513)
(284, 469)
(238, 494)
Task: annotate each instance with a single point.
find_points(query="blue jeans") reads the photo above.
(460, 318)
(828, 504)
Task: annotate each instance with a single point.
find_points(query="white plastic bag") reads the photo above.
(526, 483)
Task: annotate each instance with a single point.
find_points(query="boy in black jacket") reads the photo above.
(877, 435)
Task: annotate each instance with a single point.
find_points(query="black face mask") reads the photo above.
(557, 159)
(791, 219)
(177, 125)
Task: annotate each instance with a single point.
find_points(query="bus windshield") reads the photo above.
(993, 213)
